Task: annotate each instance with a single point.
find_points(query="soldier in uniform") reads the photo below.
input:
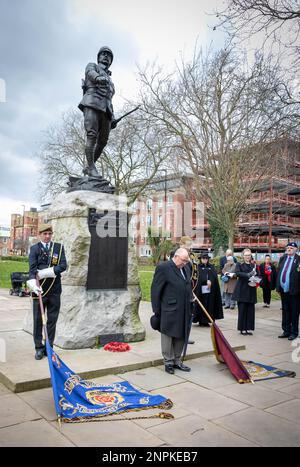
(46, 262)
(96, 105)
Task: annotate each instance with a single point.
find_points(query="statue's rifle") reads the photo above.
(125, 115)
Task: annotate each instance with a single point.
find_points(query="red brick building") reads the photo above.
(4, 241)
(272, 218)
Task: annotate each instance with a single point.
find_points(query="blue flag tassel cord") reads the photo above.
(77, 400)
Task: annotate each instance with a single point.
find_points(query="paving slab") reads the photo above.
(205, 403)
(4, 390)
(14, 410)
(151, 378)
(254, 394)
(121, 433)
(33, 434)
(293, 389)
(196, 431)
(288, 410)
(262, 428)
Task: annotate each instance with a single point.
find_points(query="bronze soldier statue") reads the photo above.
(96, 105)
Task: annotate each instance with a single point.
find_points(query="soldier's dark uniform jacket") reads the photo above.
(98, 95)
(39, 258)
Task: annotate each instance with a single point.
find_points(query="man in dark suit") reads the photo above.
(288, 285)
(171, 298)
(96, 105)
(46, 262)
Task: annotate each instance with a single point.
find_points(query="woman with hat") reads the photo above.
(208, 292)
(245, 293)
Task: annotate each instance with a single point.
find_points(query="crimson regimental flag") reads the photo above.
(225, 354)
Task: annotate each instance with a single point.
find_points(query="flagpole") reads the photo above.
(212, 322)
(204, 309)
(47, 341)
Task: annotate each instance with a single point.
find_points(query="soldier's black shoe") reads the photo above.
(39, 354)
(292, 337)
(284, 336)
(169, 369)
(191, 342)
(45, 352)
(182, 367)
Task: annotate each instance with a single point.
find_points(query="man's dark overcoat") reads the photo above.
(171, 298)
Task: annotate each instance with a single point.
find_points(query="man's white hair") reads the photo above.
(180, 252)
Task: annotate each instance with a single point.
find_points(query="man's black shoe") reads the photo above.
(284, 336)
(39, 354)
(191, 342)
(169, 369)
(291, 338)
(182, 367)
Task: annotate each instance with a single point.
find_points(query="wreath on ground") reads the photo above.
(117, 347)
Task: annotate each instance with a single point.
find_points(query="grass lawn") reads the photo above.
(7, 267)
(146, 276)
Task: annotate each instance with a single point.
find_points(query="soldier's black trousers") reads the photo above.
(290, 313)
(51, 306)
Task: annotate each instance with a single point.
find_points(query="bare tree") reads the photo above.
(278, 20)
(220, 112)
(136, 150)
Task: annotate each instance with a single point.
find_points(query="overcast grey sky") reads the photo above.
(44, 48)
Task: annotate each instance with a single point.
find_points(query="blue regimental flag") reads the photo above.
(77, 398)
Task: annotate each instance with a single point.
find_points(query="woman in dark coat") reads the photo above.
(208, 293)
(268, 274)
(245, 295)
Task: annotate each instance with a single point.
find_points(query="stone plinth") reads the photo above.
(87, 314)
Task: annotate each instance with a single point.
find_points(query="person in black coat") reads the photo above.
(47, 261)
(245, 294)
(268, 274)
(208, 292)
(171, 299)
(288, 285)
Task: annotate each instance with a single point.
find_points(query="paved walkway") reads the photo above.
(210, 408)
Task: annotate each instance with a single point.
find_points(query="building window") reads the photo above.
(170, 199)
(149, 204)
(159, 220)
(149, 220)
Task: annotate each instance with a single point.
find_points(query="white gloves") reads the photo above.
(32, 285)
(46, 273)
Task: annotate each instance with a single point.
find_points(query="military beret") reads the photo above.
(293, 244)
(45, 228)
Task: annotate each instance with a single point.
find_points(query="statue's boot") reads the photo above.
(91, 170)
